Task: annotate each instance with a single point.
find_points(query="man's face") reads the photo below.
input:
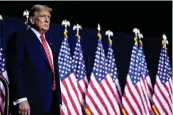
(42, 20)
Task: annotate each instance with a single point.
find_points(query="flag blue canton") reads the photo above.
(168, 65)
(164, 68)
(100, 65)
(111, 63)
(65, 60)
(2, 61)
(144, 69)
(134, 70)
(78, 62)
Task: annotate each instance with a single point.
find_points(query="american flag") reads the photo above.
(163, 88)
(145, 74)
(100, 96)
(146, 83)
(68, 82)
(80, 71)
(112, 69)
(133, 99)
(3, 73)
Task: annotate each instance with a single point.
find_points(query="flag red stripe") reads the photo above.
(160, 104)
(81, 90)
(99, 97)
(65, 103)
(163, 95)
(106, 94)
(146, 96)
(165, 86)
(133, 96)
(70, 96)
(143, 105)
(93, 102)
(116, 96)
(129, 104)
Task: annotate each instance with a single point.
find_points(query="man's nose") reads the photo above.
(47, 19)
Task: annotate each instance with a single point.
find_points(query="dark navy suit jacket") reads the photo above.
(29, 72)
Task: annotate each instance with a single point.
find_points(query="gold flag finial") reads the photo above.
(99, 34)
(65, 23)
(109, 33)
(26, 14)
(164, 41)
(136, 31)
(140, 36)
(77, 27)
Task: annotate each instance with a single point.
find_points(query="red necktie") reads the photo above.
(45, 46)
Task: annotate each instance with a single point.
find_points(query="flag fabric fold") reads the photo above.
(133, 99)
(68, 82)
(112, 70)
(146, 83)
(100, 96)
(163, 88)
(80, 71)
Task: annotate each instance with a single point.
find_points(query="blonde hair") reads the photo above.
(38, 8)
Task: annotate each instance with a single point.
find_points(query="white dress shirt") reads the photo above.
(38, 36)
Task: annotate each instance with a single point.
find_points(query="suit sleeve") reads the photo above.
(15, 62)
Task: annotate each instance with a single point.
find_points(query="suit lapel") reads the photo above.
(41, 48)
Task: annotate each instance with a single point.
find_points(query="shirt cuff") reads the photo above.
(20, 100)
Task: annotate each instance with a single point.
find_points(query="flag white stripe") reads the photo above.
(73, 94)
(91, 106)
(126, 107)
(149, 81)
(169, 88)
(80, 97)
(95, 97)
(146, 99)
(164, 91)
(162, 99)
(118, 86)
(108, 91)
(102, 95)
(69, 104)
(144, 108)
(97, 101)
(82, 85)
(64, 108)
(132, 102)
(128, 94)
(86, 80)
(158, 106)
(134, 91)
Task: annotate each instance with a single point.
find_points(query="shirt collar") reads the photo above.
(36, 32)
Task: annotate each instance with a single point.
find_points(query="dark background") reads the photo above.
(153, 18)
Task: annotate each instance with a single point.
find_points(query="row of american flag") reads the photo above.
(102, 95)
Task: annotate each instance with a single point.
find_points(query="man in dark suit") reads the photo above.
(32, 67)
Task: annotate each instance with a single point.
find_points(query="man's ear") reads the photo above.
(31, 19)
